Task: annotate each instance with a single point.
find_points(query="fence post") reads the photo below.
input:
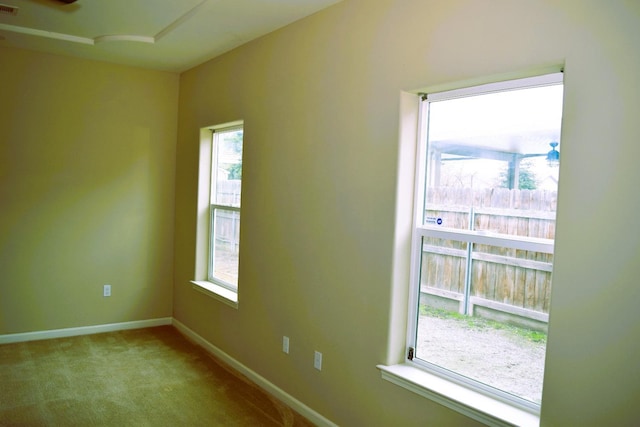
(467, 273)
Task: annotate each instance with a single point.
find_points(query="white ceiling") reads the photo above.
(170, 35)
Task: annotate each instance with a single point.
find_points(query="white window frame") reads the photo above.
(204, 281)
(480, 402)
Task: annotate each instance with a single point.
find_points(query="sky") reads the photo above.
(521, 121)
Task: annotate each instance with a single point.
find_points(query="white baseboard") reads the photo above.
(259, 380)
(83, 330)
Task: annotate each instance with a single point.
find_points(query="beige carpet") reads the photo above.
(144, 377)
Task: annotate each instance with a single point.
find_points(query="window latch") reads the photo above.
(410, 353)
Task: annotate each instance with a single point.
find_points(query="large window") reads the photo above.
(483, 239)
(218, 232)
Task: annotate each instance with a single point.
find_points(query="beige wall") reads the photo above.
(320, 100)
(87, 159)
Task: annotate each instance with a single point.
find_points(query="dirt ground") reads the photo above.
(505, 358)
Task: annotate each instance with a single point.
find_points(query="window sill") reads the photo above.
(473, 404)
(224, 295)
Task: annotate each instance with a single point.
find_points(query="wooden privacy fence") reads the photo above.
(510, 280)
(227, 224)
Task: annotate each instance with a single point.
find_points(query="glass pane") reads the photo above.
(487, 346)
(493, 152)
(225, 245)
(227, 168)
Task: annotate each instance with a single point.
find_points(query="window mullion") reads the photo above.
(225, 207)
(485, 238)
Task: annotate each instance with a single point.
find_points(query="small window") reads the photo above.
(219, 203)
(483, 240)
(226, 186)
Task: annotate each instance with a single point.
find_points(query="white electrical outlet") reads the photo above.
(317, 361)
(285, 344)
(106, 291)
